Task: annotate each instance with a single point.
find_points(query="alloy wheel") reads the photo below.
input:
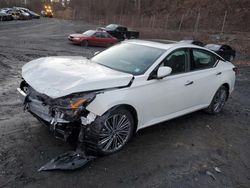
(220, 100)
(115, 133)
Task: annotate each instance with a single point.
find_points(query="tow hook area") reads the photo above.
(72, 160)
(56, 128)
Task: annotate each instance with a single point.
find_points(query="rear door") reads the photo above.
(204, 75)
(96, 39)
(107, 39)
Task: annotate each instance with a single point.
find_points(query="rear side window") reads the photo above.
(98, 35)
(105, 35)
(202, 59)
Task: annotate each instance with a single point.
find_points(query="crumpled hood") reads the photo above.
(61, 76)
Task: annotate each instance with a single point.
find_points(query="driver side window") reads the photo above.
(98, 35)
(177, 61)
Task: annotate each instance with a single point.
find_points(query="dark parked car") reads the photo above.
(18, 14)
(120, 32)
(5, 16)
(195, 42)
(225, 51)
(31, 13)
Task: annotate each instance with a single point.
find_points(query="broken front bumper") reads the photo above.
(38, 108)
(61, 128)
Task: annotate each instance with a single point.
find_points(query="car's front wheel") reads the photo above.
(85, 43)
(111, 132)
(218, 101)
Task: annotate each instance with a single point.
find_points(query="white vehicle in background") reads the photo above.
(132, 85)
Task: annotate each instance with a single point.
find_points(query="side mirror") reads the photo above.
(163, 72)
(96, 53)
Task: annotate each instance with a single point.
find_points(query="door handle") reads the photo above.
(218, 73)
(189, 83)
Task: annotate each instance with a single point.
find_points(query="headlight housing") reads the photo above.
(74, 105)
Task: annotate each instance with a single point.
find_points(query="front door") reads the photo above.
(173, 92)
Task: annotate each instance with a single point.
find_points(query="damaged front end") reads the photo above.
(62, 115)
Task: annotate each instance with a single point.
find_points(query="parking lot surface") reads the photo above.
(185, 152)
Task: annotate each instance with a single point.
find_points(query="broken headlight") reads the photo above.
(73, 106)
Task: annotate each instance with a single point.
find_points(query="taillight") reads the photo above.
(236, 70)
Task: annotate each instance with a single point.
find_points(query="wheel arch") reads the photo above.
(228, 88)
(131, 109)
(85, 40)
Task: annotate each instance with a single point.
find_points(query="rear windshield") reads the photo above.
(111, 27)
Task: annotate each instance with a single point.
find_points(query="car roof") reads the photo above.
(166, 47)
(101, 31)
(214, 44)
(20, 7)
(186, 41)
(163, 45)
(117, 25)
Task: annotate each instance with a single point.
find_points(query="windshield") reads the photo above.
(130, 58)
(111, 26)
(213, 47)
(89, 33)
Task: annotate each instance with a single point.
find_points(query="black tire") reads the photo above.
(218, 101)
(108, 45)
(100, 141)
(85, 43)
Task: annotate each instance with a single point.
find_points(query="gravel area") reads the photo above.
(185, 152)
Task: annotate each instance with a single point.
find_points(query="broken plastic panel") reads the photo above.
(68, 161)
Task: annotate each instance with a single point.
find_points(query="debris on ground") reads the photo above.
(208, 126)
(217, 169)
(67, 161)
(210, 174)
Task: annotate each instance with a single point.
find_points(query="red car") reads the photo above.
(93, 38)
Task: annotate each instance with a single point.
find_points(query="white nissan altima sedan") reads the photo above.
(132, 85)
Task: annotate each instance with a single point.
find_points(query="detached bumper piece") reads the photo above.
(67, 161)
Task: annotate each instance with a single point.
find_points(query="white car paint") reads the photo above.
(154, 100)
(160, 100)
(61, 76)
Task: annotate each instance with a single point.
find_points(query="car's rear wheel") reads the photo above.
(85, 43)
(218, 101)
(111, 132)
